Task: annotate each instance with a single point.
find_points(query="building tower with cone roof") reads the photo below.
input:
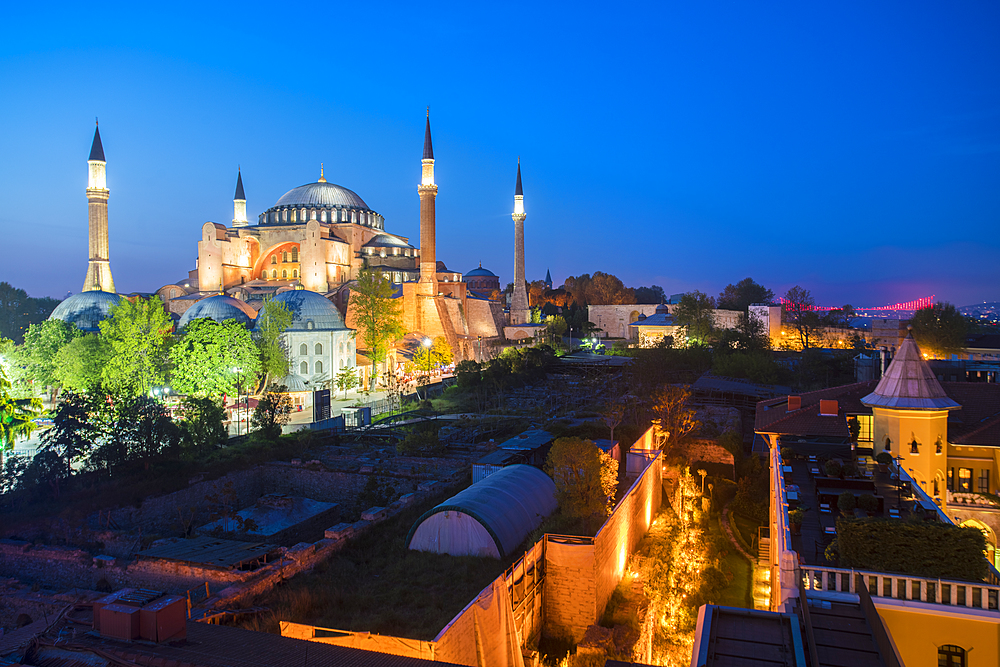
(520, 312)
(428, 195)
(99, 266)
(239, 202)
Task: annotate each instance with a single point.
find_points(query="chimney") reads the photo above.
(794, 403)
(828, 408)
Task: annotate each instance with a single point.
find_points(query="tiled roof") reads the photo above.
(909, 383)
(773, 415)
(978, 422)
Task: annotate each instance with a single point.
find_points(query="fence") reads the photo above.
(902, 587)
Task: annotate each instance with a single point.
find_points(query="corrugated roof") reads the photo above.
(909, 383)
(509, 504)
(210, 551)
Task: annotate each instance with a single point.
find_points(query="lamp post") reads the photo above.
(480, 359)
(237, 369)
(899, 480)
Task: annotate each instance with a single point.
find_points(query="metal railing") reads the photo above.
(879, 633)
(973, 595)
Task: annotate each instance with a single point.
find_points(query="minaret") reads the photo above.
(519, 310)
(99, 268)
(239, 202)
(428, 193)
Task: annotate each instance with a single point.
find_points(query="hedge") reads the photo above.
(925, 549)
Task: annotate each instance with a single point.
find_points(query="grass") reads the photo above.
(737, 593)
(747, 529)
(375, 584)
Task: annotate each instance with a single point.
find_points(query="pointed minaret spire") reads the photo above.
(96, 148)
(322, 179)
(99, 267)
(239, 202)
(428, 148)
(520, 311)
(517, 188)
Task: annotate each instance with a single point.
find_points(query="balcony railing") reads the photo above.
(902, 587)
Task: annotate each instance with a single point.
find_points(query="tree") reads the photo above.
(18, 311)
(606, 288)
(201, 424)
(652, 294)
(694, 313)
(73, 430)
(940, 329)
(16, 415)
(136, 334)
(211, 357)
(585, 478)
(79, 363)
(799, 311)
(273, 319)
(377, 314)
(346, 379)
(677, 417)
(134, 428)
(744, 294)
(441, 350)
(750, 335)
(42, 343)
(555, 327)
(272, 412)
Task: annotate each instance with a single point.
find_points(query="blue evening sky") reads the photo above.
(852, 148)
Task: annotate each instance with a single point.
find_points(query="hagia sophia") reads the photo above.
(306, 251)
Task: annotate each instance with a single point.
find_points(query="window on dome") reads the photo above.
(319, 348)
(303, 349)
(322, 216)
(284, 215)
(310, 325)
(319, 366)
(304, 368)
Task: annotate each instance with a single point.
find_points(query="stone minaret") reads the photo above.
(99, 268)
(519, 310)
(239, 203)
(428, 193)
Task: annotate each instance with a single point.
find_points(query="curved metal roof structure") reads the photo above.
(322, 194)
(387, 241)
(508, 505)
(480, 272)
(908, 383)
(86, 309)
(219, 307)
(310, 311)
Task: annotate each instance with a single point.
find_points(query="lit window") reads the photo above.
(274, 259)
(914, 447)
(284, 257)
(303, 368)
(965, 480)
(322, 216)
(295, 254)
(984, 481)
(303, 349)
(951, 479)
(950, 655)
(319, 348)
(295, 273)
(865, 422)
(319, 366)
(284, 273)
(274, 274)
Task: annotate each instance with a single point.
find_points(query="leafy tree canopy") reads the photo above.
(652, 294)
(377, 315)
(15, 414)
(211, 357)
(599, 289)
(694, 313)
(585, 478)
(18, 311)
(744, 294)
(136, 334)
(273, 319)
(940, 329)
(799, 312)
(272, 412)
(79, 364)
(201, 423)
(42, 343)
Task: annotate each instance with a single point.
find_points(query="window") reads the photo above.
(951, 479)
(304, 368)
(950, 655)
(865, 422)
(319, 348)
(274, 259)
(274, 274)
(295, 273)
(295, 254)
(984, 481)
(303, 349)
(965, 480)
(319, 366)
(284, 257)
(888, 445)
(322, 216)
(284, 273)
(914, 447)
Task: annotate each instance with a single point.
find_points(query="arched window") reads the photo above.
(274, 274)
(310, 325)
(888, 444)
(284, 273)
(319, 366)
(319, 348)
(950, 655)
(295, 254)
(304, 368)
(303, 349)
(295, 273)
(322, 216)
(284, 257)
(341, 347)
(274, 259)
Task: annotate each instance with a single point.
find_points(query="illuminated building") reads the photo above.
(520, 312)
(99, 265)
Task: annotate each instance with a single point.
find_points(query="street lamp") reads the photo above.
(237, 369)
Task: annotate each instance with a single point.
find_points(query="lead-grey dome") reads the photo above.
(219, 308)
(86, 309)
(322, 194)
(387, 241)
(310, 311)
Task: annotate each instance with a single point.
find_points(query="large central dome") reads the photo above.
(322, 194)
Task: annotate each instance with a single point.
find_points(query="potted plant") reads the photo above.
(832, 468)
(795, 520)
(883, 459)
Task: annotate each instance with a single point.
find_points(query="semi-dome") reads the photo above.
(387, 241)
(86, 309)
(220, 308)
(310, 311)
(293, 383)
(322, 194)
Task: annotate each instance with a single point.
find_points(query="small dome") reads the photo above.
(321, 194)
(219, 308)
(293, 383)
(386, 241)
(480, 273)
(86, 310)
(310, 311)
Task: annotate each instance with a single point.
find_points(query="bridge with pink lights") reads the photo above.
(917, 304)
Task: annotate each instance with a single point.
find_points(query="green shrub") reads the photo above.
(846, 502)
(885, 458)
(925, 549)
(868, 502)
(833, 469)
